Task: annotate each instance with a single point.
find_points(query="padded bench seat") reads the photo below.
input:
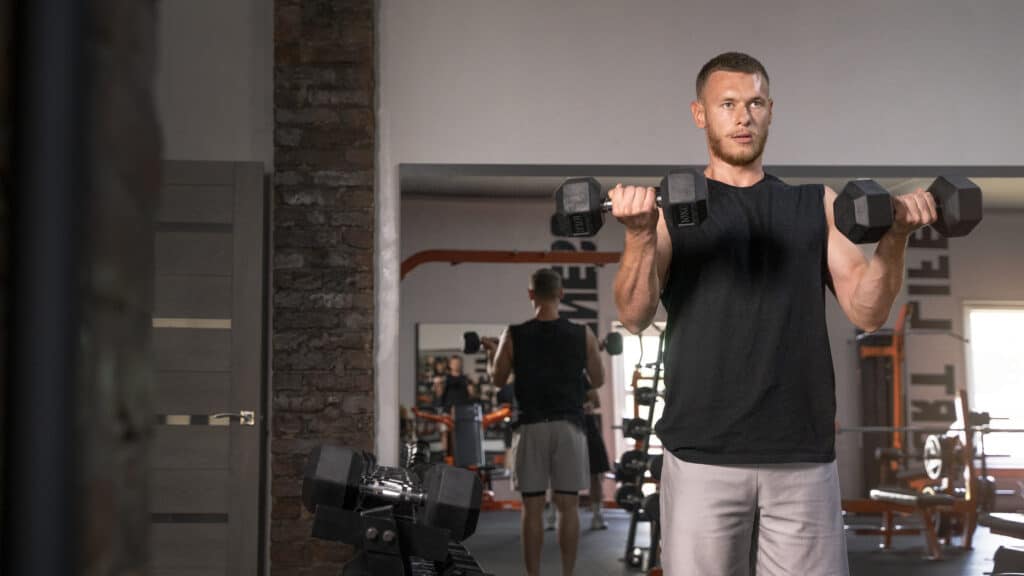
(1004, 523)
(912, 498)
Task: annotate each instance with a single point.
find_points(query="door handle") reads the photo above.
(243, 417)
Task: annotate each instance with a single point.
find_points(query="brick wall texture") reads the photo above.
(323, 231)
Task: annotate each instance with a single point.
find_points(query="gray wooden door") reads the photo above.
(208, 352)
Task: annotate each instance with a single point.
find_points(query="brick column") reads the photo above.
(323, 228)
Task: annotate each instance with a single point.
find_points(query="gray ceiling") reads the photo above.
(1002, 187)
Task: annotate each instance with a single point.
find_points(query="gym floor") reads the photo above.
(496, 547)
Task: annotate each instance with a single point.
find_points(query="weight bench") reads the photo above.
(894, 500)
(1005, 524)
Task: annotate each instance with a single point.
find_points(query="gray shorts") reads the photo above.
(766, 520)
(550, 454)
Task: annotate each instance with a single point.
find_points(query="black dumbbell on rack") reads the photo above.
(404, 522)
(646, 396)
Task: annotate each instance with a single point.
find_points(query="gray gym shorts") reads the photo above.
(768, 520)
(550, 454)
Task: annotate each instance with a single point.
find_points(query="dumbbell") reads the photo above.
(629, 497)
(580, 203)
(657, 461)
(863, 211)
(645, 396)
(612, 343)
(470, 342)
(634, 463)
(447, 498)
(631, 466)
(652, 507)
(636, 428)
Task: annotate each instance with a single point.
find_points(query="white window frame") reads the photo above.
(1016, 461)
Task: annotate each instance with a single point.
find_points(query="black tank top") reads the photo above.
(748, 369)
(456, 391)
(549, 358)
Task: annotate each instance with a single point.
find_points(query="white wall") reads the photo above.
(215, 80)
(608, 81)
(916, 82)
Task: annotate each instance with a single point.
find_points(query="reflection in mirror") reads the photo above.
(449, 377)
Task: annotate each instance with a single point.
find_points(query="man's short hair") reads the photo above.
(546, 284)
(730, 62)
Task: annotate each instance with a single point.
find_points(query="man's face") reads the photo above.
(455, 365)
(735, 111)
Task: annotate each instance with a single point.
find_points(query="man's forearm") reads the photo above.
(636, 283)
(880, 284)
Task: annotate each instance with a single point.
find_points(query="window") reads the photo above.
(995, 374)
(641, 350)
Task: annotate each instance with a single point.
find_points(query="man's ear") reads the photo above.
(530, 292)
(699, 114)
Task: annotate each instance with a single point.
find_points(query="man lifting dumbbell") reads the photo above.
(555, 362)
(580, 205)
(749, 480)
(864, 211)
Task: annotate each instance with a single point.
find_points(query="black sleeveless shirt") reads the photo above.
(549, 358)
(456, 391)
(748, 369)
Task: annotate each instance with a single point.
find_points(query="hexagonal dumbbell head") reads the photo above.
(684, 198)
(657, 462)
(632, 465)
(863, 211)
(578, 204)
(629, 497)
(470, 342)
(453, 500)
(332, 477)
(636, 428)
(958, 203)
(652, 506)
(559, 225)
(613, 343)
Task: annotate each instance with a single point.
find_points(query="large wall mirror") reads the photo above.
(508, 208)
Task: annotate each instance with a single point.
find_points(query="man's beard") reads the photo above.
(745, 156)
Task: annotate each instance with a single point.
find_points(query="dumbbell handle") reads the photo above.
(382, 484)
(388, 491)
(607, 204)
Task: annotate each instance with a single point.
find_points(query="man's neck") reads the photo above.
(738, 176)
(545, 311)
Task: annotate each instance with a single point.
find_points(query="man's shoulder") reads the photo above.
(774, 181)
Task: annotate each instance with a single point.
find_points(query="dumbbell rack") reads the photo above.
(633, 554)
(390, 545)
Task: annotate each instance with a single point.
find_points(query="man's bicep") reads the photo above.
(503, 360)
(846, 263)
